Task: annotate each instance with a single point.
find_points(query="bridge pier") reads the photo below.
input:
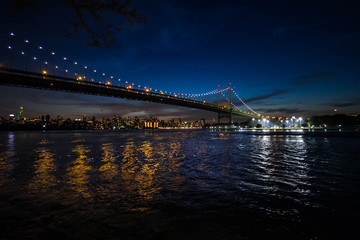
(224, 102)
(225, 115)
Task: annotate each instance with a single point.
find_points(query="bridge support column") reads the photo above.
(228, 115)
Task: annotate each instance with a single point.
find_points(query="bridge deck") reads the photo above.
(20, 78)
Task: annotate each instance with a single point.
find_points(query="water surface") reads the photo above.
(177, 184)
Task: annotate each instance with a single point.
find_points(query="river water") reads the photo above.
(178, 184)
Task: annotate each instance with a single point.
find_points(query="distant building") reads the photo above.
(151, 123)
(202, 122)
(21, 111)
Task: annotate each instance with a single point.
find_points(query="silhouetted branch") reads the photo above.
(90, 16)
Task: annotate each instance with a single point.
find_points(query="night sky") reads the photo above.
(283, 58)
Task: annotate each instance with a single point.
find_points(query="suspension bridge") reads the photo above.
(33, 66)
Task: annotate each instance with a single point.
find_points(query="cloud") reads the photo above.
(280, 110)
(311, 79)
(347, 104)
(274, 93)
(286, 29)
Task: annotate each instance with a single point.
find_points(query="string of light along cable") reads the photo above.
(245, 104)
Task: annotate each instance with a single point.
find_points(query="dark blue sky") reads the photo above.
(282, 57)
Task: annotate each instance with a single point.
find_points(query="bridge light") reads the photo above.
(40, 47)
(12, 34)
(9, 47)
(79, 78)
(85, 67)
(22, 53)
(44, 72)
(52, 53)
(35, 58)
(108, 83)
(75, 63)
(27, 41)
(94, 70)
(64, 58)
(147, 90)
(56, 67)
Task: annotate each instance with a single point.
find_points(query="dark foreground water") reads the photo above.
(178, 185)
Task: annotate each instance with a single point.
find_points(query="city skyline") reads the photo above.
(280, 62)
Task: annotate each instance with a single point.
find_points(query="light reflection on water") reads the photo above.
(176, 179)
(109, 170)
(44, 168)
(7, 161)
(77, 172)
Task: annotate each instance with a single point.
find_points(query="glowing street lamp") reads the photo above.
(44, 72)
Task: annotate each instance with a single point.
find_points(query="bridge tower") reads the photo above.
(224, 102)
